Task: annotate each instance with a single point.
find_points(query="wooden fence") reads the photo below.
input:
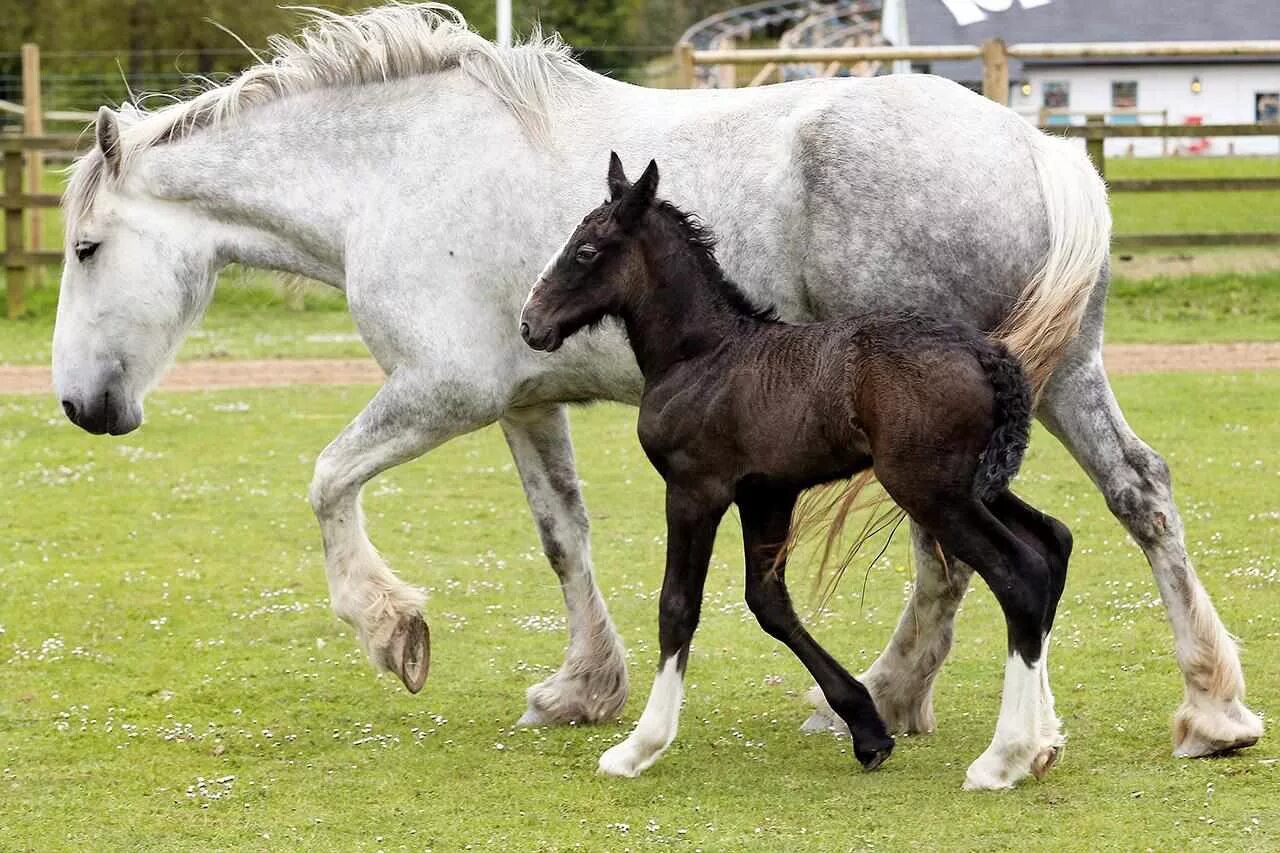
(22, 154)
(995, 55)
(21, 255)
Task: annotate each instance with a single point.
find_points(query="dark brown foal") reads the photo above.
(740, 408)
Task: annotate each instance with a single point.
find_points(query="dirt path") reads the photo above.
(202, 375)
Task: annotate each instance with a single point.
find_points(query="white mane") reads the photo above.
(391, 42)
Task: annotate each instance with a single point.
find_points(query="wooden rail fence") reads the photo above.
(23, 254)
(995, 55)
(21, 257)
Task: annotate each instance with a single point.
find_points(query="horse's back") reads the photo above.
(918, 193)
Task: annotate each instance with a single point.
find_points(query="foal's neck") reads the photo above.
(684, 312)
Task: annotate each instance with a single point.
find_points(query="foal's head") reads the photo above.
(599, 270)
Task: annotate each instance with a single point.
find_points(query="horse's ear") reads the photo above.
(108, 133)
(638, 198)
(618, 183)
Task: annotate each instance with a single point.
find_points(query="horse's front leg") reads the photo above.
(766, 518)
(407, 417)
(592, 684)
(691, 534)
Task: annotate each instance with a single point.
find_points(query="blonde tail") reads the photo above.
(1048, 315)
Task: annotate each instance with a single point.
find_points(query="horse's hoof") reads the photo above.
(1045, 761)
(409, 653)
(878, 754)
(1201, 730)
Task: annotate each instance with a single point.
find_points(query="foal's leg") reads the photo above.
(691, 534)
(1080, 409)
(1053, 541)
(901, 679)
(765, 521)
(592, 684)
(404, 420)
(1020, 580)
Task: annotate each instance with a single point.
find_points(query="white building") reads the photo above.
(1183, 90)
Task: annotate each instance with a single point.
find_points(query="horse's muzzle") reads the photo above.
(546, 340)
(109, 410)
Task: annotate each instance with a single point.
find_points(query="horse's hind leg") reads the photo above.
(1052, 540)
(901, 679)
(1080, 409)
(591, 685)
(765, 521)
(402, 421)
(1019, 578)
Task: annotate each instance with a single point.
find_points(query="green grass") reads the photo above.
(1210, 308)
(163, 620)
(1195, 212)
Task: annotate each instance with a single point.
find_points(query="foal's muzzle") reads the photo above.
(534, 333)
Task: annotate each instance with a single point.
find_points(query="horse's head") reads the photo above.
(598, 271)
(138, 272)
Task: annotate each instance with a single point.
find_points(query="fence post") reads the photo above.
(728, 74)
(684, 65)
(15, 271)
(1095, 145)
(33, 125)
(995, 71)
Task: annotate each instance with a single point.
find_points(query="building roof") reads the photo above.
(970, 22)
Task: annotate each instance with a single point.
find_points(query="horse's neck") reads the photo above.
(284, 181)
(683, 315)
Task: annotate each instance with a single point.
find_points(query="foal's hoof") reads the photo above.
(408, 654)
(876, 755)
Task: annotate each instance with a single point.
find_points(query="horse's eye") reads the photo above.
(586, 253)
(85, 250)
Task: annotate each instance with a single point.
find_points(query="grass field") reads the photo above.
(172, 677)
(1171, 213)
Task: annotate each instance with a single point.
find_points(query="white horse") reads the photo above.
(428, 173)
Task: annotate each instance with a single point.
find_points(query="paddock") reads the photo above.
(176, 677)
(171, 658)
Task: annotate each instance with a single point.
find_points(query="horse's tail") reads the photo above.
(1049, 313)
(1011, 418)
(826, 510)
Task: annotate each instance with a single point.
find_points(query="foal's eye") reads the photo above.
(586, 253)
(85, 250)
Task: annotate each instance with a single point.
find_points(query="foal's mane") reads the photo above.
(391, 42)
(701, 240)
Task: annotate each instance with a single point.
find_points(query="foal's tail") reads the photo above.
(1049, 313)
(1011, 414)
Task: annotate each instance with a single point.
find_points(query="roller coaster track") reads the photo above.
(798, 23)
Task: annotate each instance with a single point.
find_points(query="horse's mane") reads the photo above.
(702, 241)
(391, 42)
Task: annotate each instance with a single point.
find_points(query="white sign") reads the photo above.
(968, 12)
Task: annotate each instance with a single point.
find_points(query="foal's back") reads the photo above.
(797, 405)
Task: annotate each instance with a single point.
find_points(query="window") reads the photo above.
(1124, 97)
(1057, 96)
(1267, 108)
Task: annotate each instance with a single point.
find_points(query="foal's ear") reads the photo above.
(618, 183)
(108, 133)
(639, 197)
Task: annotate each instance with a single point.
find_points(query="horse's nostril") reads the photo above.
(524, 331)
(70, 408)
